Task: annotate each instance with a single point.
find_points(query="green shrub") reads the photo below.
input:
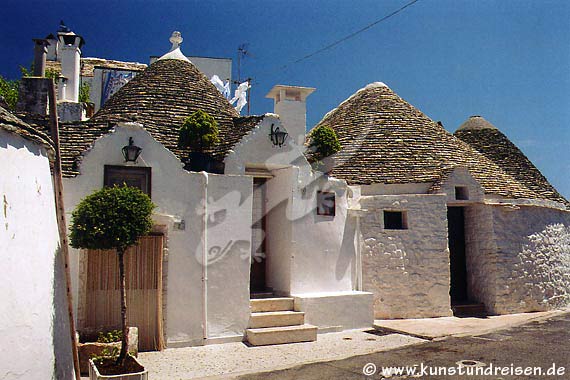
(323, 142)
(198, 132)
(84, 93)
(111, 218)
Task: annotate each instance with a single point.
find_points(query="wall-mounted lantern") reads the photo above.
(131, 152)
(277, 136)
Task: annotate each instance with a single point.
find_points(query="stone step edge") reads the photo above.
(269, 330)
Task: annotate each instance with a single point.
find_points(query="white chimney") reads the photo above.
(69, 53)
(291, 106)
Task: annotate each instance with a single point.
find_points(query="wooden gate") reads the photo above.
(143, 269)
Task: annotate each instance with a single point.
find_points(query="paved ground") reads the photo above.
(234, 359)
(544, 344)
(433, 328)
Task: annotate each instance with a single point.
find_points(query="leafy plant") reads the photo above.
(324, 142)
(9, 91)
(110, 337)
(84, 90)
(106, 353)
(198, 132)
(113, 218)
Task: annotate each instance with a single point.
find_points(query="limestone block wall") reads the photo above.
(407, 270)
(481, 257)
(533, 245)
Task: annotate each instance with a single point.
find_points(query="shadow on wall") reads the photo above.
(61, 340)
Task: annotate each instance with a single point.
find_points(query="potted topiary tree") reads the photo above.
(198, 132)
(323, 143)
(113, 218)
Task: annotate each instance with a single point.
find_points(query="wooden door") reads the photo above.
(143, 269)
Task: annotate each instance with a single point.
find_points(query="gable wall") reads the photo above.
(210, 206)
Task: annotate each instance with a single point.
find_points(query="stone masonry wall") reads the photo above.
(533, 245)
(407, 270)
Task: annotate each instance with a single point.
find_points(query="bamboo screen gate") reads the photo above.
(143, 269)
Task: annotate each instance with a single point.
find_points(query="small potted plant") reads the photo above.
(93, 342)
(323, 144)
(198, 132)
(113, 218)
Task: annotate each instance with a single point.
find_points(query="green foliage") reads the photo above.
(50, 73)
(324, 142)
(110, 337)
(198, 132)
(84, 93)
(106, 353)
(111, 218)
(9, 91)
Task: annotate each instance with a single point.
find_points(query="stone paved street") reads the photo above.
(537, 344)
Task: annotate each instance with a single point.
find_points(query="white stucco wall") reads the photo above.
(407, 270)
(229, 242)
(533, 258)
(279, 228)
(181, 196)
(29, 243)
(324, 248)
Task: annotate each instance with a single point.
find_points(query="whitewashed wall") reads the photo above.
(533, 258)
(181, 196)
(29, 243)
(229, 242)
(407, 270)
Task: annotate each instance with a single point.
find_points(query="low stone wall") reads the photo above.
(408, 269)
(533, 258)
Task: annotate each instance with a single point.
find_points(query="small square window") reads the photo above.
(461, 193)
(135, 176)
(395, 220)
(326, 203)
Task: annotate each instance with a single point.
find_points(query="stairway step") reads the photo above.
(280, 335)
(276, 319)
(271, 304)
(466, 310)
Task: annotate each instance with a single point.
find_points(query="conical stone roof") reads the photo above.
(494, 145)
(159, 98)
(386, 140)
(162, 96)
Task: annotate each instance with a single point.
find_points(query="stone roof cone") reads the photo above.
(166, 93)
(496, 146)
(386, 140)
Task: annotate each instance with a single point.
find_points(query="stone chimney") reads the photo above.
(70, 53)
(291, 106)
(52, 48)
(40, 55)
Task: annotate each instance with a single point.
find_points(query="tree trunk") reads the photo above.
(122, 283)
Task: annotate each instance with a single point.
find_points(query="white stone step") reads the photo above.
(276, 319)
(271, 304)
(280, 335)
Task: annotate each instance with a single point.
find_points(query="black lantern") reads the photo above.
(277, 136)
(131, 152)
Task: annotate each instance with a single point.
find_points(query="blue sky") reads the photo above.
(508, 60)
